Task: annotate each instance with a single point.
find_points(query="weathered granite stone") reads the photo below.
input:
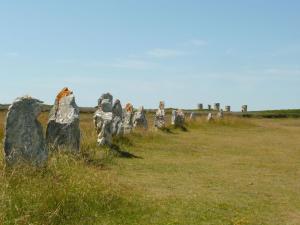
(210, 117)
(220, 114)
(128, 118)
(217, 106)
(103, 119)
(63, 130)
(160, 120)
(178, 118)
(105, 102)
(192, 116)
(24, 140)
(200, 106)
(227, 108)
(174, 114)
(139, 119)
(208, 107)
(117, 121)
(244, 108)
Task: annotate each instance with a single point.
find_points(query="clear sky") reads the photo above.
(184, 52)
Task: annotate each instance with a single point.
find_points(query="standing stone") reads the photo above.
(174, 113)
(200, 106)
(210, 117)
(217, 106)
(220, 114)
(128, 118)
(192, 116)
(117, 121)
(139, 119)
(227, 108)
(244, 108)
(178, 118)
(209, 107)
(63, 130)
(103, 119)
(24, 140)
(160, 121)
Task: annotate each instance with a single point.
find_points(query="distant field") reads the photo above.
(236, 171)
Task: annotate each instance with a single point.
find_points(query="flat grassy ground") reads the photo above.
(235, 171)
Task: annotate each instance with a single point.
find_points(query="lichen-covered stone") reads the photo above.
(63, 130)
(128, 118)
(103, 118)
(178, 118)
(117, 121)
(160, 121)
(139, 119)
(24, 140)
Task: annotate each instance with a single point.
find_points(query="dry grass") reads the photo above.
(235, 171)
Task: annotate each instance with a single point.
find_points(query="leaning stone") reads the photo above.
(139, 119)
(160, 121)
(24, 140)
(63, 130)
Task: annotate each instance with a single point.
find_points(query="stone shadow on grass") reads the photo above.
(183, 128)
(166, 130)
(117, 151)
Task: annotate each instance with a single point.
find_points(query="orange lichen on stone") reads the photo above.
(129, 107)
(63, 93)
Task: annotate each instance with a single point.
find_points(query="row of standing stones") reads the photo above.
(217, 106)
(24, 140)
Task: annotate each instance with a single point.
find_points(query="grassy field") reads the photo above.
(236, 171)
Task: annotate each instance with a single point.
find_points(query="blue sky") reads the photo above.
(184, 52)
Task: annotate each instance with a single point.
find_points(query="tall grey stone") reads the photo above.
(200, 106)
(63, 131)
(24, 140)
(173, 117)
(210, 117)
(117, 121)
(208, 107)
(160, 121)
(227, 108)
(244, 108)
(103, 119)
(139, 119)
(192, 116)
(217, 106)
(128, 118)
(178, 118)
(220, 114)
